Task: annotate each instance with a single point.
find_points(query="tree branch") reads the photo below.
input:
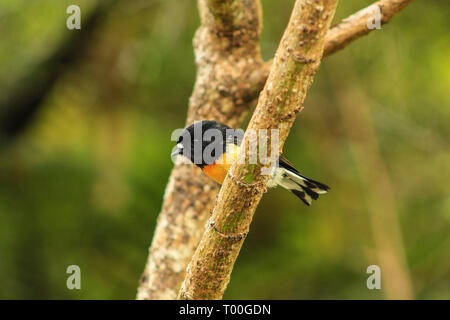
(297, 60)
(355, 26)
(351, 28)
(227, 53)
(226, 85)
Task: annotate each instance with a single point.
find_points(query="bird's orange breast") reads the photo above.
(219, 169)
(218, 172)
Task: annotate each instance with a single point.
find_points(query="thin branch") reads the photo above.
(351, 28)
(356, 25)
(297, 60)
(382, 210)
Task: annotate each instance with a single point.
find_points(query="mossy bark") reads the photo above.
(227, 55)
(230, 76)
(296, 62)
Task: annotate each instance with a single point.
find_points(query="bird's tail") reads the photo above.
(305, 188)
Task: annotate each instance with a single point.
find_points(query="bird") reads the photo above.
(213, 146)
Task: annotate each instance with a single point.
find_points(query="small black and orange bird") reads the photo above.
(213, 146)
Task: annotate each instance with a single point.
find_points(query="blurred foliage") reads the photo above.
(84, 183)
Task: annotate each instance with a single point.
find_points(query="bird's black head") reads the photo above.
(205, 141)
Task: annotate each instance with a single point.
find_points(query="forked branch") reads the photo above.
(297, 60)
(227, 82)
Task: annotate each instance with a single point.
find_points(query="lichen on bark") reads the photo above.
(296, 61)
(230, 75)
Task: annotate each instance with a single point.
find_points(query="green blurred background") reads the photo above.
(82, 181)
